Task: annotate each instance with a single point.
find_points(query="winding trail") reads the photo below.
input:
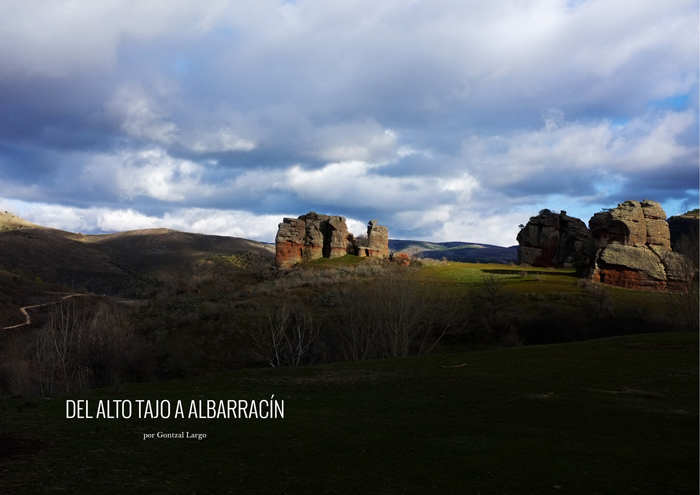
(28, 319)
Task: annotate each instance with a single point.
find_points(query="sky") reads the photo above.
(446, 121)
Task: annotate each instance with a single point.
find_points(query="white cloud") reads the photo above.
(579, 146)
(358, 183)
(234, 223)
(366, 141)
(660, 145)
(60, 37)
(464, 225)
(222, 140)
(140, 116)
(150, 173)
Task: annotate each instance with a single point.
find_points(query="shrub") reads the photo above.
(511, 338)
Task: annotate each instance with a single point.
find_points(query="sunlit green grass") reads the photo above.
(348, 259)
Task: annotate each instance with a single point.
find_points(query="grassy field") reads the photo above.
(617, 415)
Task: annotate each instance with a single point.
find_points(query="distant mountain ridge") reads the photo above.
(465, 252)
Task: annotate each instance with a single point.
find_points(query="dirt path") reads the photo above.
(28, 319)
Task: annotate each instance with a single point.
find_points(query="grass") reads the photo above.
(347, 260)
(614, 415)
(470, 273)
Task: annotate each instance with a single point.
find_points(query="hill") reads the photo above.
(124, 263)
(160, 253)
(9, 221)
(466, 252)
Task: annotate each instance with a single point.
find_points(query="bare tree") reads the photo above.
(357, 334)
(57, 349)
(492, 297)
(395, 317)
(79, 348)
(362, 240)
(286, 338)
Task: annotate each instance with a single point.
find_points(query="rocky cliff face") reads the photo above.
(631, 247)
(552, 239)
(314, 236)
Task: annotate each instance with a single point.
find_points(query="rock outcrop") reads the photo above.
(377, 241)
(314, 236)
(631, 247)
(684, 228)
(552, 240)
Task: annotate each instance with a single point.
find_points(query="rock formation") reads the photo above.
(314, 236)
(684, 228)
(631, 247)
(377, 241)
(552, 239)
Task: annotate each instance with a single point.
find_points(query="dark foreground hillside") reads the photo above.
(617, 415)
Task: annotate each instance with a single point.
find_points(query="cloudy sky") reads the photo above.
(449, 121)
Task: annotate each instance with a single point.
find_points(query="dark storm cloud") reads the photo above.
(445, 119)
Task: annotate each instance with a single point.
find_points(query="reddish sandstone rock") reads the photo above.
(627, 278)
(401, 258)
(633, 249)
(290, 241)
(314, 236)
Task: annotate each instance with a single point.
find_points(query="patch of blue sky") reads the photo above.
(675, 206)
(224, 32)
(675, 103)
(573, 4)
(690, 202)
(619, 121)
(15, 206)
(558, 203)
(183, 65)
(608, 186)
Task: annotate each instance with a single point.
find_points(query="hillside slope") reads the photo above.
(8, 221)
(158, 253)
(124, 263)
